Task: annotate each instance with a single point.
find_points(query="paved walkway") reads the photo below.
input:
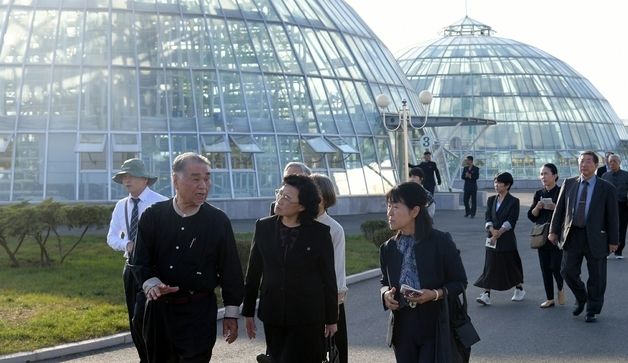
(511, 332)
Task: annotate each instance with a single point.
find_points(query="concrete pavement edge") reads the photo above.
(121, 338)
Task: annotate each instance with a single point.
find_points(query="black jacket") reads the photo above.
(298, 290)
(439, 266)
(508, 211)
(602, 220)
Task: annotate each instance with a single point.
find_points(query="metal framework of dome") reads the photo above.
(253, 85)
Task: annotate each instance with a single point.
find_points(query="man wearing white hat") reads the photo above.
(122, 232)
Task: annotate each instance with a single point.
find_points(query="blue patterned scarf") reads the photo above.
(409, 274)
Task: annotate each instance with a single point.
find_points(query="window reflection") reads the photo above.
(29, 169)
(64, 98)
(93, 99)
(123, 99)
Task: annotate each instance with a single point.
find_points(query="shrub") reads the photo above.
(382, 235)
(368, 228)
(376, 231)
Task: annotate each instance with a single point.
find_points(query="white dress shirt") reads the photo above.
(338, 240)
(117, 237)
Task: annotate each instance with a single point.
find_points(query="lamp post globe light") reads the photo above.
(382, 101)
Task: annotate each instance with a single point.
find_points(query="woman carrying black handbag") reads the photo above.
(420, 268)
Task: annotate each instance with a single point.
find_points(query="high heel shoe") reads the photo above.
(561, 297)
(547, 304)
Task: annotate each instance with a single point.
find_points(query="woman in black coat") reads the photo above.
(502, 264)
(292, 258)
(427, 261)
(550, 256)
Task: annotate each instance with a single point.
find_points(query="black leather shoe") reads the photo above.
(263, 358)
(578, 308)
(590, 318)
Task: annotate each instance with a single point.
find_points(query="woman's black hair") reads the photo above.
(553, 169)
(308, 196)
(505, 178)
(413, 195)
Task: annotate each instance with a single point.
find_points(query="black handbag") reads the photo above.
(331, 351)
(460, 322)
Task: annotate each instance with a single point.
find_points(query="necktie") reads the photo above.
(134, 220)
(582, 203)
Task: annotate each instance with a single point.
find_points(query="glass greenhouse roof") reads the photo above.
(543, 107)
(86, 84)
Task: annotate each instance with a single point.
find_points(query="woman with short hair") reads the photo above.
(502, 263)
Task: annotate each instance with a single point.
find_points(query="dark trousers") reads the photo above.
(622, 208)
(298, 343)
(180, 332)
(550, 259)
(429, 187)
(414, 334)
(135, 300)
(470, 201)
(340, 337)
(576, 248)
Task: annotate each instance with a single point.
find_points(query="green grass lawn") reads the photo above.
(83, 298)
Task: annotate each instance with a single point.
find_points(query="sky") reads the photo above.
(590, 36)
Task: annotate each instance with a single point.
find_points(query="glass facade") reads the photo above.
(545, 111)
(251, 84)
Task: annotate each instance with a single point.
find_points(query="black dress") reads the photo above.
(502, 265)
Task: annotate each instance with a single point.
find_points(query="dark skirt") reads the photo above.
(502, 270)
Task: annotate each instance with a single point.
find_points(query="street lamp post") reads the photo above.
(382, 101)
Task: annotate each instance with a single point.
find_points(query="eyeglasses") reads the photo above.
(279, 195)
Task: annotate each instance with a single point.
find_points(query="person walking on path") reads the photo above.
(121, 237)
(328, 200)
(291, 269)
(421, 268)
(430, 169)
(470, 175)
(619, 178)
(185, 249)
(502, 263)
(550, 256)
(585, 225)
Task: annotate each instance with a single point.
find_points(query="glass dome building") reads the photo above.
(544, 110)
(253, 85)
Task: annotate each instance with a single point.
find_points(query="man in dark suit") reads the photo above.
(619, 178)
(429, 169)
(584, 225)
(470, 175)
(604, 168)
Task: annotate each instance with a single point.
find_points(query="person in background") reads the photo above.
(429, 169)
(185, 250)
(328, 200)
(619, 178)
(292, 258)
(604, 168)
(470, 175)
(426, 260)
(550, 256)
(121, 237)
(502, 263)
(417, 176)
(585, 225)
